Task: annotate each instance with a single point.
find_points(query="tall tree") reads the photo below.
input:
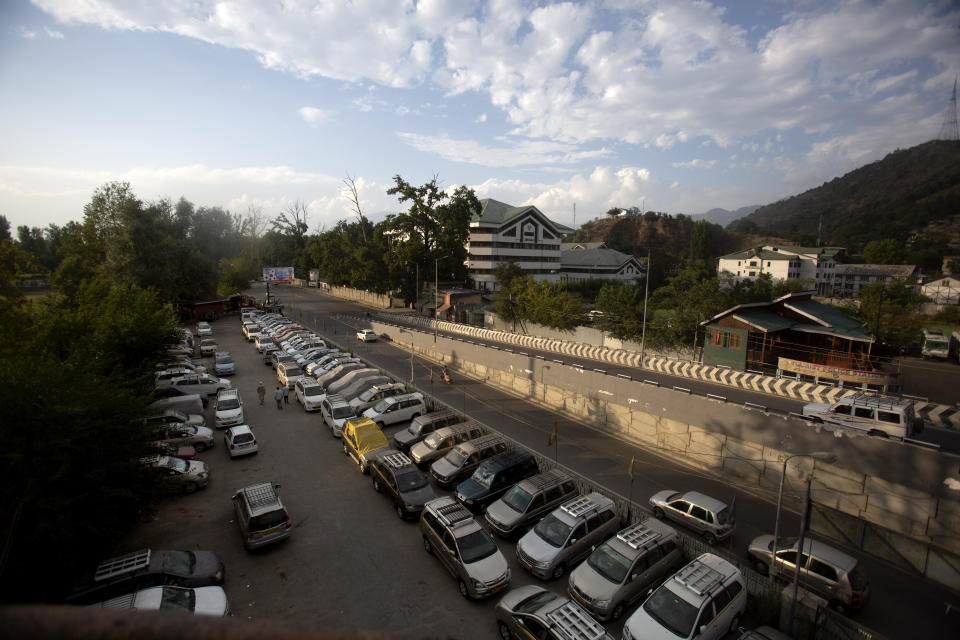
(622, 307)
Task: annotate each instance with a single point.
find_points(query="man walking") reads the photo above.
(278, 396)
(261, 392)
(286, 394)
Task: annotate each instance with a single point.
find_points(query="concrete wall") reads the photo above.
(378, 300)
(727, 440)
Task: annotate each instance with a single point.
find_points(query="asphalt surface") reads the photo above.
(351, 564)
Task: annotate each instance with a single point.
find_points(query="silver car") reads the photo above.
(707, 516)
(624, 568)
(464, 548)
(532, 607)
(567, 535)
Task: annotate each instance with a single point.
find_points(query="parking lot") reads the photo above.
(350, 564)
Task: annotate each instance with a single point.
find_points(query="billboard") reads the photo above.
(278, 274)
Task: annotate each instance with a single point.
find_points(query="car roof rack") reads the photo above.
(454, 514)
(698, 577)
(396, 460)
(260, 495)
(579, 506)
(548, 478)
(572, 622)
(880, 402)
(638, 536)
(123, 564)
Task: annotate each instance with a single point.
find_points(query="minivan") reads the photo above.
(288, 373)
(402, 408)
(335, 411)
(436, 445)
(827, 572)
(528, 501)
(494, 476)
(260, 513)
(422, 426)
(461, 461)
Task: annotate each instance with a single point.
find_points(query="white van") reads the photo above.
(876, 415)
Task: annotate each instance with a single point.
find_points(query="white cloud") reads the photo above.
(517, 153)
(696, 163)
(481, 118)
(55, 35)
(314, 116)
(27, 34)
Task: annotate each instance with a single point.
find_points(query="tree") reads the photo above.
(889, 310)
(352, 193)
(547, 303)
(883, 252)
(622, 307)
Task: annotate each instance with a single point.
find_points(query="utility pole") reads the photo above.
(436, 292)
(646, 294)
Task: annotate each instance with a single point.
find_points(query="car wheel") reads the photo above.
(559, 571)
(427, 546)
(462, 586)
(400, 513)
(376, 485)
(190, 487)
(200, 447)
(709, 538)
(761, 567)
(503, 631)
(658, 513)
(363, 466)
(617, 612)
(381, 425)
(735, 623)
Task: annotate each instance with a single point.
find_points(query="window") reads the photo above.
(823, 570)
(863, 412)
(680, 505)
(843, 409)
(888, 416)
(699, 513)
(721, 600)
(707, 616)
(718, 338)
(579, 531)
(733, 341)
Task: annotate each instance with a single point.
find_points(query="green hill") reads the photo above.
(893, 198)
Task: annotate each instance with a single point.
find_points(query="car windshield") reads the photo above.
(177, 598)
(483, 476)
(343, 412)
(783, 543)
(313, 390)
(553, 530)
(609, 563)
(366, 395)
(178, 464)
(227, 404)
(671, 611)
(294, 371)
(476, 546)
(179, 563)
(534, 602)
(410, 480)
(723, 516)
(455, 457)
(381, 406)
(177, 415)
(432, 440)
(240, 438)
(517, 499)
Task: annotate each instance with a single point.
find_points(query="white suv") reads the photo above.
(229, 409)
(702, 601)
(402, 408)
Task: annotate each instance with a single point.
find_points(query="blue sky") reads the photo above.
(672, 105)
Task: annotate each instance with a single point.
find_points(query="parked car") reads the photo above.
(240, 441)
(421, 426)
(362, 440)
(366, 335)
(204, 601)
(336, 412)
(764, 633)
(208, 347)
(528, 501)
(182, 451)
(223, 364)
(262, 518)
(395, 475)
(531, 607)
(168, 416)
(705, 515)
(567, 535)
(464, 548)
(880, 416)
(203, 384)
(176, 475)
(625, 568)
(827, 572)
(375, 393)
(173, 398)
(148, 568)
(702, 601)
(308, 393)
(461, 461)
(229, 408)
(279, 357)
(494, 476)
(402, 408)
(201, 438)
(204, 329)
(437, 444)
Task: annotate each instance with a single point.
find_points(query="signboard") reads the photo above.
(837, 373)
(278, 274)
(314, 275)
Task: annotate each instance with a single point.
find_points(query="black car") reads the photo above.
(148, 568)
(395, 474)
(494, 476)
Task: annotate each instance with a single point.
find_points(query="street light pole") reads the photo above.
(646, 294)
(436, 292)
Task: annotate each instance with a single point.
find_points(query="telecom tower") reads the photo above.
(949, 130)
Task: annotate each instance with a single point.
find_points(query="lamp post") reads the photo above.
(646, 294)
(826, 456)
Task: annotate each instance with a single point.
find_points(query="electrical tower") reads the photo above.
(949, 130)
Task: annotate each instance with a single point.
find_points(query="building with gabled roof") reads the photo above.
(502, 232)
(783, 262)
(943, 291)
(848, 279)
(799, 338)
(595, 260)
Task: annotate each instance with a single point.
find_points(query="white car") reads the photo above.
(240, 441)
(229, 409)
(309, 393)
(203, 384)
(366, 335)
(204, 329)
(205, 601)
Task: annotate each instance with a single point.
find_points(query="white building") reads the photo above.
(523, 234)
(943, 291)
(850, 278)
(595, 260)
(783, 262)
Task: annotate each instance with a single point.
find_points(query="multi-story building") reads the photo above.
(943, 291)
(848, 279)
(783, 262)
(502, 232)
(595, 260)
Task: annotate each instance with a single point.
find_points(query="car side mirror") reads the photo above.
(573, 541)
(634, 576)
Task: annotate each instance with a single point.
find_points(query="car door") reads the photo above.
(678, 511)
(529, 627)
(639, 577)
(448, 552)
(821, 578)
(699, 518)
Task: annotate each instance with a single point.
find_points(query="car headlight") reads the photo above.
(602, 603)
(540, 564)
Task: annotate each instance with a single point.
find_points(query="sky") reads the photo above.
(574, 107)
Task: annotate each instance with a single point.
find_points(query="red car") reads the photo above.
(185, 452)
